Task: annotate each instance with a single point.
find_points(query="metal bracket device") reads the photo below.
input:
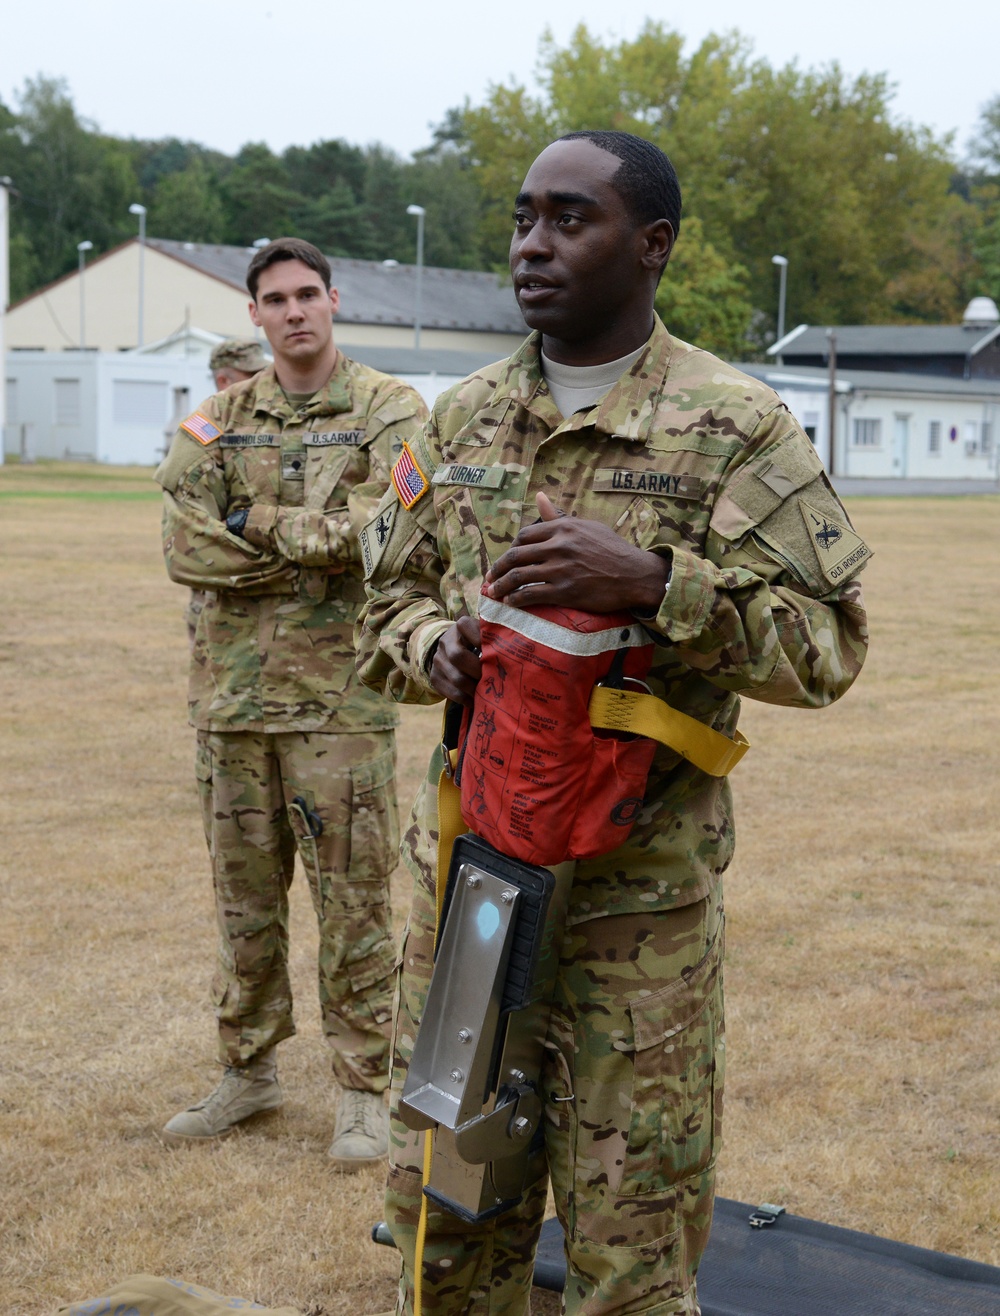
(474, 1073)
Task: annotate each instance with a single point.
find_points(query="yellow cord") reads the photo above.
(449, 826)
(418, 1276)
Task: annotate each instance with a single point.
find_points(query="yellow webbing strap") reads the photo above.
(450, 825)
(645, 715)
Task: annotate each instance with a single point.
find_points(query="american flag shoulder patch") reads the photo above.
(409, 480)
(200, 428)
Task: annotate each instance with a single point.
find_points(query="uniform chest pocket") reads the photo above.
(330, 473)
(252, 473)
(638, 524)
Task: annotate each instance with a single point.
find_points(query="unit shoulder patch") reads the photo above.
(408, 479)
(374, 537)
(840, 552)
(200, 428)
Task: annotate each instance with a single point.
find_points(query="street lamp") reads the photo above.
(81, 248)
(5, 186)
(419, 212)
(136, 209)
(782, 263)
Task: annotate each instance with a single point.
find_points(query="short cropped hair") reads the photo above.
(645, 180)
(287, 249)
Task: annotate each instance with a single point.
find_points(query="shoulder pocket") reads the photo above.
(760, 489)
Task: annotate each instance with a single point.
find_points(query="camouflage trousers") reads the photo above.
(632, 1092)
(332, 798)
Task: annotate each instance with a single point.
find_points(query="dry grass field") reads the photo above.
(864, 969)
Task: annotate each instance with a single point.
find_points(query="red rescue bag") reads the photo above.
(537, 780)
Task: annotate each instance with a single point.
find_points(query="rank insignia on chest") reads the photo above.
(200, 428)
(408, 479)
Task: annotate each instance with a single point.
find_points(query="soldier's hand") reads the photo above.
(569, 562)
(456, 667)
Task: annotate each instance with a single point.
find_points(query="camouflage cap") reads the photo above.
(238, 354)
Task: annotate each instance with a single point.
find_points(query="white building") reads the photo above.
(891, 425)
(121, 407)
(98, 406)
(192, 283)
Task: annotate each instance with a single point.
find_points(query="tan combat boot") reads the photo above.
(361, 1136)
(244, 1091)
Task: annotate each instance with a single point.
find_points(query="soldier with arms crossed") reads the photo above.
(621, 468)
(265, 488)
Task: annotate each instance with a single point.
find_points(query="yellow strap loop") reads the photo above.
(450, 826)
(645, 715)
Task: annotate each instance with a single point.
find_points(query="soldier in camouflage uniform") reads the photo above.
(231, 361)
(605, 465)
(265, 487)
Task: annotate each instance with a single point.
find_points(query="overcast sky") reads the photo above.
(296, 71)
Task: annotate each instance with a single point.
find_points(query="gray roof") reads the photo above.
(887, 340)
(410, 361)
(873, 381)
(373, 293)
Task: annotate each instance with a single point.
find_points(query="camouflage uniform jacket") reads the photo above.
(273, 649)
(684, 456)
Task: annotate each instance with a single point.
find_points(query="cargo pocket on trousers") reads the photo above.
(374, 824)
(203, 776)
(677, 1082)
(308, 849)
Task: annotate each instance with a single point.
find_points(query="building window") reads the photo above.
(810, 423)
(867, 433)
(934, 438)
(139, 402)
(67, 401)
(978, 438)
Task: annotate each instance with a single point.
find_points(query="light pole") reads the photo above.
(782, 263)
(419, 212)
(5, 186)
(81, 248)
(136, 209)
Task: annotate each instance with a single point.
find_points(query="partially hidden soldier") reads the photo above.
(231, 361)
(607, 465)
(265, 487)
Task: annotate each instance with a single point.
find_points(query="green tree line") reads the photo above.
(879, 219)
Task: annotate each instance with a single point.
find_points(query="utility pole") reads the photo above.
(5, 185)
(831, 343)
